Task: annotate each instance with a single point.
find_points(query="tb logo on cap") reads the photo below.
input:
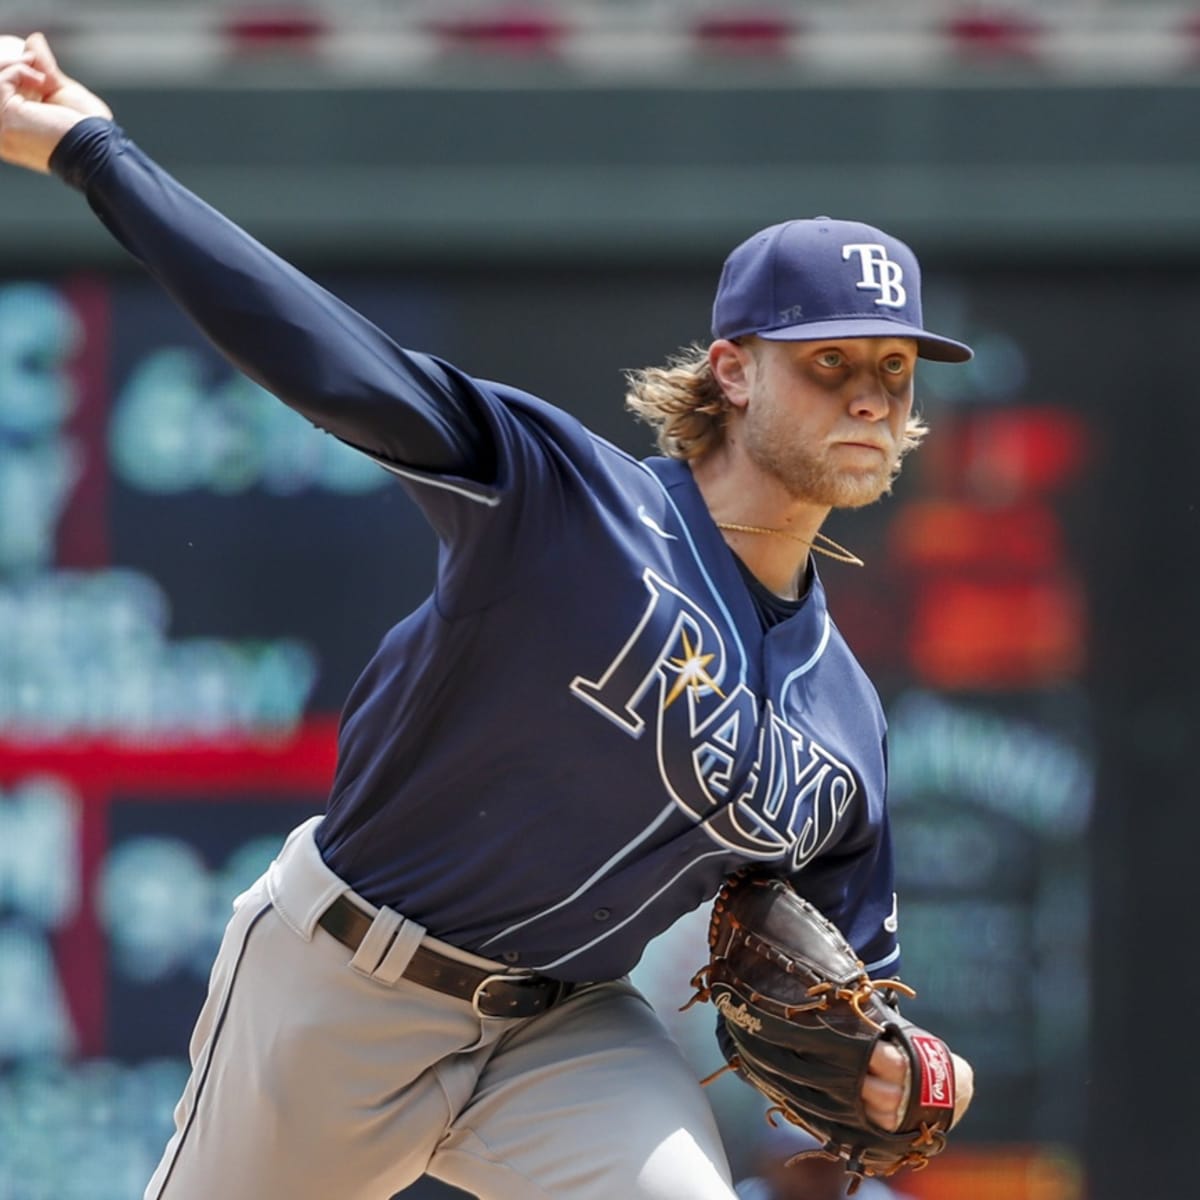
(879, 273)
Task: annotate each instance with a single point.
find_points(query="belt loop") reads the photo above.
(373, 949)
(399, 955)
(299, 883)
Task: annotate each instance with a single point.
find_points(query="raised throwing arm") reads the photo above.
(267, 318)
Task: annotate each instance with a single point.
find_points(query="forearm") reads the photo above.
(288, 334)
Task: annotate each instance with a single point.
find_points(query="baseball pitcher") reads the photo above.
(624, 698)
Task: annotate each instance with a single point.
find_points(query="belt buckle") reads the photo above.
(478, 996)
(553, 990)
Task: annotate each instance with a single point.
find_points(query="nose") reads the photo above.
(870, 401)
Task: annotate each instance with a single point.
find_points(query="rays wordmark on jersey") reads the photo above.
(675, 680)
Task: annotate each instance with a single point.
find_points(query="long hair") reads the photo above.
(688, 410)
(682, 402)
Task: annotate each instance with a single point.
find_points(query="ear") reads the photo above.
(733, 368)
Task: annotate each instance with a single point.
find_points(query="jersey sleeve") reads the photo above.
(273, 323)
(494, 537)
(494, 471)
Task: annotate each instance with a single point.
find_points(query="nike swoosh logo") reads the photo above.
(650, 523)
(892, 923)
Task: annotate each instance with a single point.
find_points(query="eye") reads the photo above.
(831, 358)
(896, 364)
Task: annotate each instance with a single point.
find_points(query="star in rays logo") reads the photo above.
(692, 674)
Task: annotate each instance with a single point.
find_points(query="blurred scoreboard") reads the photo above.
(170, 672)
(191, 577)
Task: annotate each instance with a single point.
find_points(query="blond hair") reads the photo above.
(682, 402)
(688, 409)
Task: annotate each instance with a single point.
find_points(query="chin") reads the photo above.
(858, 499)
(851, 489)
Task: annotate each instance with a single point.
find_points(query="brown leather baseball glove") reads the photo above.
(799, 1019)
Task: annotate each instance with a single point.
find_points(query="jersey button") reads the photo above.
(511, 956)
(602, 914)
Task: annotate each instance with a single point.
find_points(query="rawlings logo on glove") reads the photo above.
(800, 1018)
(738, 1015)
(937, 1080)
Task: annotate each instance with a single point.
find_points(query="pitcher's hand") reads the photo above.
(885, 1089)
(61, 89)
(29, 128)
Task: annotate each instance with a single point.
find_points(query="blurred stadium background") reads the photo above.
(543, 192)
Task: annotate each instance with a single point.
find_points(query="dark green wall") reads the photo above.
(977, 170)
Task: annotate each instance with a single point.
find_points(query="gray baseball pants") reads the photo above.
(318, 1074)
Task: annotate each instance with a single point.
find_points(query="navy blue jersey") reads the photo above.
(588, 724)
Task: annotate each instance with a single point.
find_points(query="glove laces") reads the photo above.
(824, 995)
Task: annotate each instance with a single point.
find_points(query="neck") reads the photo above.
(737, 496)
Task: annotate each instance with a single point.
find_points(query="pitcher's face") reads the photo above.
(827, 419)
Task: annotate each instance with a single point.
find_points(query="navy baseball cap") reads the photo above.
(813, 279)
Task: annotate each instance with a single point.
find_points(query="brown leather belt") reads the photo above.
(490, 994)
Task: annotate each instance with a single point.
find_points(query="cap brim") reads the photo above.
(929, 345)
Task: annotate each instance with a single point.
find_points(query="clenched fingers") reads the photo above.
(61, 89)
(20, 81)
(885, 1090)
(42, 57)
(29, 129)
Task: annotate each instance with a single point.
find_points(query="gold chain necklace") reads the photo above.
(823, 544)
